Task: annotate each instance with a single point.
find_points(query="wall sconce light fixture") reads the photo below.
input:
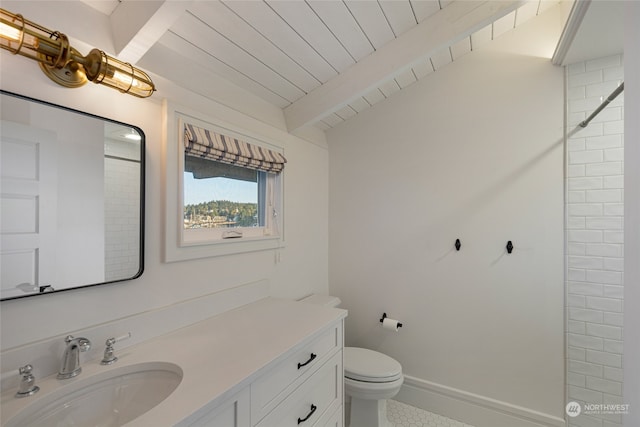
(65, 65)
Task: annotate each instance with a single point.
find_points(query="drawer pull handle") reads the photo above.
(313, 409)
(313, 356)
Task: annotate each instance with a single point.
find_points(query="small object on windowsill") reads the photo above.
(233, 234)
(458, 244)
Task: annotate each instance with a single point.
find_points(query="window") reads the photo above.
(222, 201)
(217, 195)
(223, 189)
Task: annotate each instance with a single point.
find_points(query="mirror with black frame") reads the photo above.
(72, 198)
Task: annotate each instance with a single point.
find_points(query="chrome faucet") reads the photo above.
(70, 366)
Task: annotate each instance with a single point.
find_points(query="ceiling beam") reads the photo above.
(458, 20)
(138, 25)
(578, 11)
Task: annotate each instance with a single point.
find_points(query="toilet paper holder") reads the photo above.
(384, 316)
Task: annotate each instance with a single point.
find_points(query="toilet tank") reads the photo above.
(326, 300)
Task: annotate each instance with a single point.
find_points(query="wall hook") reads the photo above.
(458, 244)
(509, 247)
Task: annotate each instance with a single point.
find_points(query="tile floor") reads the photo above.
(403, 415)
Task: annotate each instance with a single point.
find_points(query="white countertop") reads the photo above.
(218, 356)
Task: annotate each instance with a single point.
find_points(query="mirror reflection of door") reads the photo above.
(72, 198)
(28, 208)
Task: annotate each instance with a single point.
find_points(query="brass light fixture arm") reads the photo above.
(65, 65)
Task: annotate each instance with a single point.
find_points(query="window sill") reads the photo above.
(208, 249)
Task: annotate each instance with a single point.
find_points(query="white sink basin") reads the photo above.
(108, 399)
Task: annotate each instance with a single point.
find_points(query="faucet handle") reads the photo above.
(109, 356)
(25, 370)
(28, 385)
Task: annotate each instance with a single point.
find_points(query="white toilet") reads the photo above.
(370, 378)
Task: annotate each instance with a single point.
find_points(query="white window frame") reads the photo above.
(181, 244)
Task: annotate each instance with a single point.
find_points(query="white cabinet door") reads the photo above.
(235, 412)
(335, 420)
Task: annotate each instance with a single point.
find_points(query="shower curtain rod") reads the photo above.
(606, 102)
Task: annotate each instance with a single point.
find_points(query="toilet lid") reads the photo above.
(361, 364)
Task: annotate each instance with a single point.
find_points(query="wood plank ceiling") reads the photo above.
(286, 51)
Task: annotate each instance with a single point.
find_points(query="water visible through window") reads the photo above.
(217, 195)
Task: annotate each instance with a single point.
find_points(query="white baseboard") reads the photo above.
(477, 410)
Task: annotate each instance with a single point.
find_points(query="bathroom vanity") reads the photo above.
(271, 363)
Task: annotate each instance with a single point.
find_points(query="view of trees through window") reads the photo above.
(221, 213)
(219, 202)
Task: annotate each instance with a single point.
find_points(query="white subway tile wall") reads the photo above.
(122, 218)
(594, 239)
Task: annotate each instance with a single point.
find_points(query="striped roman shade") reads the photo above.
(204, 143)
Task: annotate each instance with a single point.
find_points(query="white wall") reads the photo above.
(474, 152)
(81, 218)
(631, 391)
(302, 268)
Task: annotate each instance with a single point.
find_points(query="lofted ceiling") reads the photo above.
(320, 61)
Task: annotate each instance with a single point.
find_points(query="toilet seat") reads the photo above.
(361, 364)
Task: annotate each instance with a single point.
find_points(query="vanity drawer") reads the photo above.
(305, 406)
(269, 390)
